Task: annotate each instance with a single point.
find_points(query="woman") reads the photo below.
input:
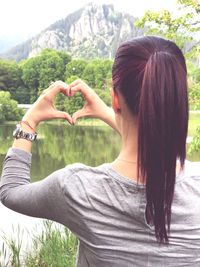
(143, 208)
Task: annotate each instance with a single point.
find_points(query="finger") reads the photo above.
(44, 91)
(56, 88)
(76, 82)
(83, 89)
(79, 114)
(63, 115)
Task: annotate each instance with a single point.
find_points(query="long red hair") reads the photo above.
(150, 72)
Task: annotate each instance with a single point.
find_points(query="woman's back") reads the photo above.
(107, 213)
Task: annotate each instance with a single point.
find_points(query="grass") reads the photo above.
(56, 246)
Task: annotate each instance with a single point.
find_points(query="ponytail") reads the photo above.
(162, 132)
(150, 73)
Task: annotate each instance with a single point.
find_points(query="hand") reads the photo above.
(94, 107)
(44, 109)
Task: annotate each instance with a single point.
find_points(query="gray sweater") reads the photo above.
(106, 211)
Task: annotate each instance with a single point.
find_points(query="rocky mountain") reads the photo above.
(92, 31)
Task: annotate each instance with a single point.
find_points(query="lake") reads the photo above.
(61, 144)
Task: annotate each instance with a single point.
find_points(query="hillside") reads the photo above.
(92, 31)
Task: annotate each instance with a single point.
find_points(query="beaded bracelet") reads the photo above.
(27, 123)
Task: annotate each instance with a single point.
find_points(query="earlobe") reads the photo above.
(115, 101)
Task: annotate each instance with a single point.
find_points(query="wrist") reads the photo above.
(29, 122)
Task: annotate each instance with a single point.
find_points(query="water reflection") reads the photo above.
(61, 144)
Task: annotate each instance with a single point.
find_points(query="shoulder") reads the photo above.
(78, 175)
(81, 184)
(80, 168)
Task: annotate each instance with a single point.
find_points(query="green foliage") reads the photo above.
(65, 57)
(15, 246)
(75, 68)
(194, 96)
(196, 75)
(30, 75)
(102, 73)
(195, 145)
(89, 74)
(39, 71)
(178, 28)
(98, 73)
(166, 25)
(52, 68)
(194, 4)
(104, 95)
(10, 77)
(27, 79)
(191, 69)
(55, 246)
(8, 108)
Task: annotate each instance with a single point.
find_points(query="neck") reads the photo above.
(127, 165)
(129, 134)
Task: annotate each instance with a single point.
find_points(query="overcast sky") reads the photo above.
(28, 17)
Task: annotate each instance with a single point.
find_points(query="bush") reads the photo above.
(195, 145)
(8, 108)
(194, 96)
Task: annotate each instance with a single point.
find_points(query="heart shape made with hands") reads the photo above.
(92, 107)
(93, 103)
(44, 108)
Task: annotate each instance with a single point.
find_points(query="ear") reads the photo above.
(115, 101)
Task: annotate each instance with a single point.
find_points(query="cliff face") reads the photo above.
(93, 31)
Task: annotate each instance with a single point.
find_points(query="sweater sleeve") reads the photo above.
(43, 199)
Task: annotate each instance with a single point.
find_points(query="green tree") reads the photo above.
(75, 68)
(89, 74)
(195, 145)
(103, 73)
(196, 75)
(39, 71)
(51, 67)
(10, 78)
(65, 57)
(178, 28)
(30, 75)
(98, 73)
(194, 96)
(8, 108)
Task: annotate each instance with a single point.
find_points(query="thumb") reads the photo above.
(63, 115)
(78, 114)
